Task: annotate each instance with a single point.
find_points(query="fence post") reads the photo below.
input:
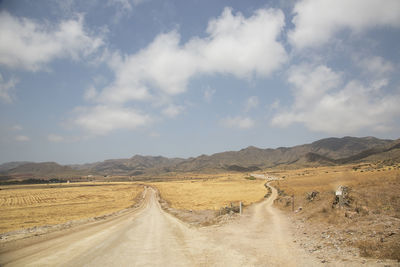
(240, 207)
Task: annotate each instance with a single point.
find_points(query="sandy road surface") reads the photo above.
(152, 237)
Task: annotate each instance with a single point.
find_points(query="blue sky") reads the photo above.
(84, 81)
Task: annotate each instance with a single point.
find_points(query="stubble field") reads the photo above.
(27, 206)
(211, 192)
(38, 205)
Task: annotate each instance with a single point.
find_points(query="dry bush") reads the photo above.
(378, 249)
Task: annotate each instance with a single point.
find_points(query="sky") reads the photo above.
(85, 81)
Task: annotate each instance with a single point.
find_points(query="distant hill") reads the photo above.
(325, 152)
(329, 151)
(337, 148)
(11, 165)
(135, 165)
(43, 169)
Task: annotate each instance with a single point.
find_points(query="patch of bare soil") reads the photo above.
(198, 217)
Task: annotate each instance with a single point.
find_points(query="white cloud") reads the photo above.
(238, 122)
(30, 44)
(311, 83)
(235, 45)
(126, 4)
(22, 138)
(324, 103)
(5, 89)
(209, 93)
(55, 138)
(172, 111)
(376, 66)
(251, 102)
(123, 8)
(252, 41)
(102, 119)
(165, 65)
(316, 22)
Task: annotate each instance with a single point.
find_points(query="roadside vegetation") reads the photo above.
(369, 218)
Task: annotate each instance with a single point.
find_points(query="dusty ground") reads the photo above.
(39, 205)
(263, 235)
(368, 226)
(29, 210)
(152, 237)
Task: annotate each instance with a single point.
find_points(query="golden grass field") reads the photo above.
(211, 192)
(26, 206)
(37, 205)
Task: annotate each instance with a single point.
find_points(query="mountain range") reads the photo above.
(329, 151)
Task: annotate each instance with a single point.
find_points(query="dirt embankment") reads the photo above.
(366, 226)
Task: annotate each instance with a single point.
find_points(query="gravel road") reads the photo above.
(152, 237)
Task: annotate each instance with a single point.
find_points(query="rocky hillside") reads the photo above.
(329, 151)
(43, 169)
(323, 152)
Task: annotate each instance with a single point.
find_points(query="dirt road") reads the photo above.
(152, 237)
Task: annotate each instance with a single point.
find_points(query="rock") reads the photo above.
(350, 214)
(312, 195)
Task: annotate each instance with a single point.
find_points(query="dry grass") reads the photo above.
(211, 192)
(373, 187)
(37, 205)
(372, 215)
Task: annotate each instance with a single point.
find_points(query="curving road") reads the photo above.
(152, 237)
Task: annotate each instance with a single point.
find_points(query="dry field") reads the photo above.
(211, 192)
(371, 220)
(37, 205)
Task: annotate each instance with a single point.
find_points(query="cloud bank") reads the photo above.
(316, 22)
(28, 44)
(324, 102)
(234, 45)
(238, 122)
